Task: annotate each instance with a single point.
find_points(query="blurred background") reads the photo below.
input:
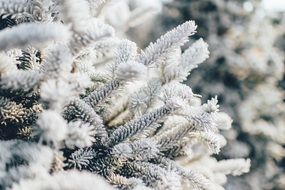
(246, 70)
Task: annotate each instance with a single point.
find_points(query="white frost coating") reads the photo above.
(96, 3)
(90, 32)
(6, 64)
(235, 167)
(211, 105)
(71, 180)
(167, 42)
(75, 11)
(214, 141)
(33, 34)
(130, 70)
(170, 70)
(57, 93)
(22, 8)
(127, 51)
(96, 29)
(175, 103)
(52, 127)
(80, 81)
(56, 59)
(176, 89)
(197, 53)
(177, 67)
(223, 120)
(35, 154)
(171, 181)
(20, 79)
(80, 135)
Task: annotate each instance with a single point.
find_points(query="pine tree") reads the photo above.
(83, 109)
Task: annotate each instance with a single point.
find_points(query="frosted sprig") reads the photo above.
(19, 8)
(34, 34)
(166, 43)
(234, 167)
(52, 128)
(80, 135)
(131, 128)
(80, 158)
(197, 53)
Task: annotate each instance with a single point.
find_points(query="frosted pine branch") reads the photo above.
(56, 60)
(126, 71)
(52, 128)
(130, 70)
(142, 100)
(99, 95)
(80, 135)
(18, 8)
(32, 34)
(89, 33)
(197, 53)
(174, 38)
(23, 81)
(195, 179)
(153, 175)
(233, 166)
(122, 182)
(74, 12)
(131, 128)
(139, 150)
(178, 67)
(81, 158)
(214, 141)
(127, 51)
